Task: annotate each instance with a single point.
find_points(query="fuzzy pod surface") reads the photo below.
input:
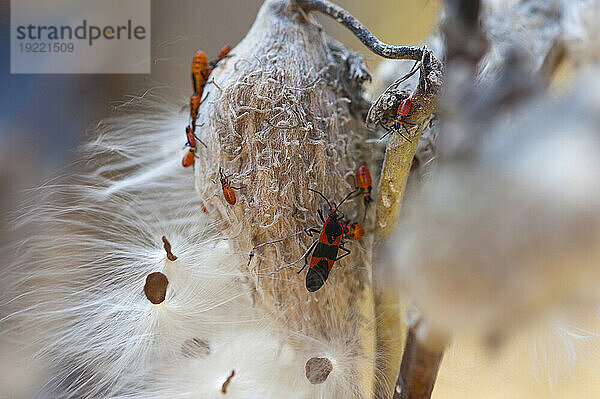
(287, 116)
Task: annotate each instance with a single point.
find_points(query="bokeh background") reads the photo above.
(43, 118)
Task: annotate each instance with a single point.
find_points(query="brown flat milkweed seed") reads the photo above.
(167, 246)
(318, 369)
(156, 287)
(227, 381)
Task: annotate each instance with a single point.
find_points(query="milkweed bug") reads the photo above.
(364, 184)
(363, 181)
(326, 247)
(194, 107)
(199, 65)
(324, 250)
(405, 110)
(354, 231)
(188, 158)
(190, 155)
(228, 193)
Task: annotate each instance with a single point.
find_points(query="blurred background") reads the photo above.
(43, 118)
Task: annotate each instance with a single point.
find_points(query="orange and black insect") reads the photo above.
(227, 188)
(364, 184)
(199, 66)
(326, 247)
(194, 107)
(354, 231)
(223, 53)
(324, 250)
(405, 110)
(190, 155)
(213, 64)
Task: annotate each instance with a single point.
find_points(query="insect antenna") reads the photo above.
(345, 198)
(389, 130)
(321, 194)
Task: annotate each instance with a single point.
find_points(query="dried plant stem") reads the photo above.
(367, 38)
(396, 167)
(418, 370)
(394, 175)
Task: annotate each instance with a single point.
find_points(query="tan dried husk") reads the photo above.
(286, 115)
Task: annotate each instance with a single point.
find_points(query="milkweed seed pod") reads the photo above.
(287, 116)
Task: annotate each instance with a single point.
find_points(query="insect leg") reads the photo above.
(321, 215)
(305, 256)
(205, 97)
(403, 136)
(389, 130)
(251, 254)
(216, 85)
(344, 255)
(311, 230)
(322, 195)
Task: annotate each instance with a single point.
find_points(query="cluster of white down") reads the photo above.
(75, 297)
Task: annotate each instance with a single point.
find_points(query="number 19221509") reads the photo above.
(47, 47)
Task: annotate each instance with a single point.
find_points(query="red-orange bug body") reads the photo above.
(405, 109)
(402, 112)
(188, 158)
(190, 155)
(194, 107)
(363, 181)
(354, 231)
(191, 139)
(228, 193)
(199, 64)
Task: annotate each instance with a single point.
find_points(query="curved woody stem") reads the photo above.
(367, 38)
